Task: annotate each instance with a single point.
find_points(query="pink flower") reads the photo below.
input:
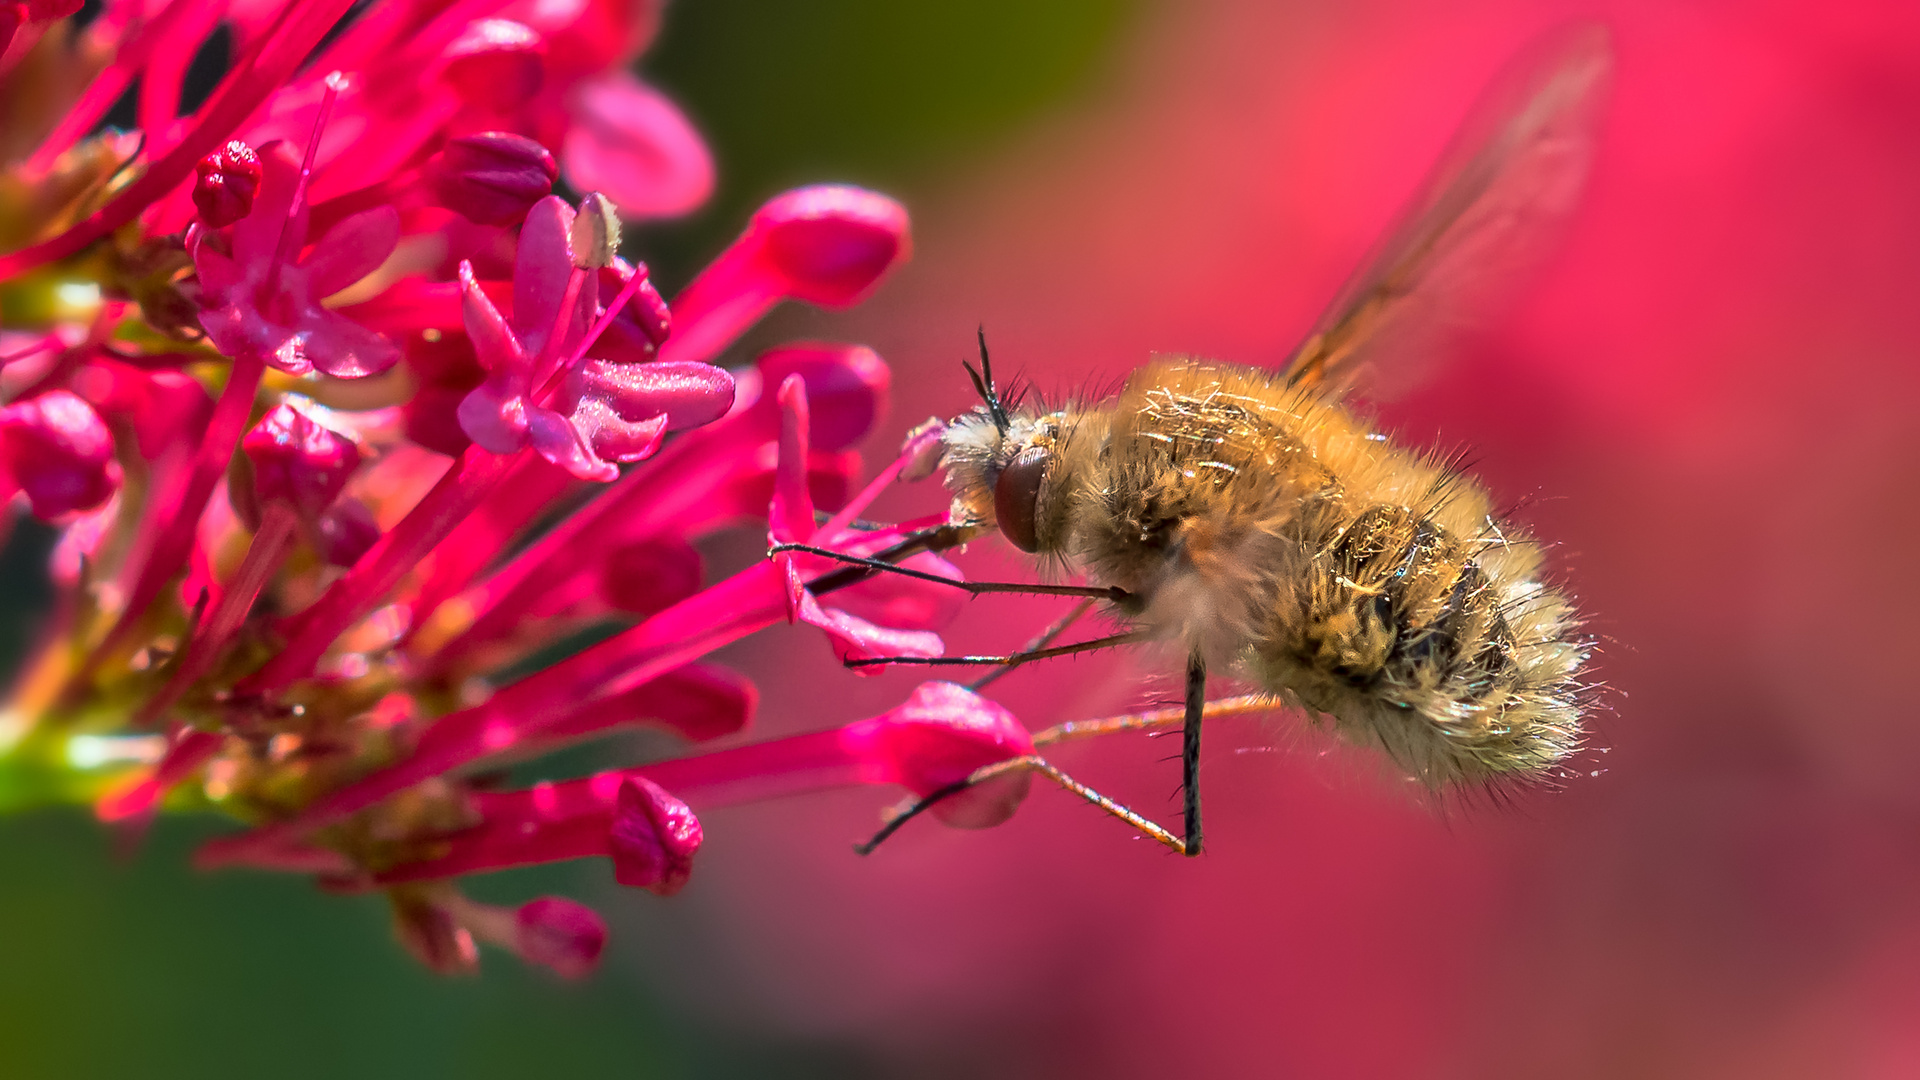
(616, 412)
(652, 838)
(257, 298)
(56, 450)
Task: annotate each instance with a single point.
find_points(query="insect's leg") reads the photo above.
(913, 808)
(1044, 639)
(1190, 750)
(974, 587)
(1118, 810)
(1021, 764)
(1153, 719)
(1013, 660)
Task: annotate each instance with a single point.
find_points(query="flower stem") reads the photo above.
(459, 490)
(171, 545)
(264, 555)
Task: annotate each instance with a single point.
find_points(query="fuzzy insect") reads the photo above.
(1250, 518)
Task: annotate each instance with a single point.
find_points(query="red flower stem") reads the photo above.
(251, 83)
(459, 490)
(62, 369)
(112, 81)
(720, 615)
(171, 545)
(264, 556)
(572, 819)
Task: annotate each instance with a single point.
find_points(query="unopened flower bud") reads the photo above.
(347, 530)
(654, 837)
(563, 935)
(497, 64)
(228, 180)
(495, 177)
(596, 233)
(828, 245)
(940, 735)
(832, 243)
(297, 461)
(58, 451)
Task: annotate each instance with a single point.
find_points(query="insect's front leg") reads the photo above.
(1190, 751)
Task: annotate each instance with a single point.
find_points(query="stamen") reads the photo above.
(335, 83)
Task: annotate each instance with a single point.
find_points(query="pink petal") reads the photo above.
(351, 250)
(940, 735)
(494, 416)
(614, 437)
(854, 638)
(219, 275)
(630, 143)
(688, 395)
(847, 389)
(902, 602)
(495, 344)
(342, 348)
(653, 838)
(543, 263)
(790, 517)
(557, 440)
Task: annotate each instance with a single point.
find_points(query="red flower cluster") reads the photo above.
(340, 357)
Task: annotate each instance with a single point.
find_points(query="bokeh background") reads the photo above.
(1706, 399)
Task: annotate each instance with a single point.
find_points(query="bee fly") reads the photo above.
(1248, 518)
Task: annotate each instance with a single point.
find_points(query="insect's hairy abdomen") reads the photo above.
(1266, 527)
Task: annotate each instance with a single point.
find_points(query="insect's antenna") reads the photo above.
(983, 384)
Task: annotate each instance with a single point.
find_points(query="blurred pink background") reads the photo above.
(1706, 400)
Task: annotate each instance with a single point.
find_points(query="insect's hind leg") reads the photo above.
(1190, 752)
(1031, 763)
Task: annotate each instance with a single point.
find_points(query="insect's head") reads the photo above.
(997, 459)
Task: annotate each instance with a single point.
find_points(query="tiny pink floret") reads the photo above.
(653, 839)
(58, 451)
(560, 934)
(299, 462)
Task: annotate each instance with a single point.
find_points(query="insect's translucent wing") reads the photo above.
(1512, 172)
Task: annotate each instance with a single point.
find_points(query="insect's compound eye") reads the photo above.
(1016, 495)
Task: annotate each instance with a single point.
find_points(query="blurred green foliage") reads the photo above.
(144, 968)
(857, 91)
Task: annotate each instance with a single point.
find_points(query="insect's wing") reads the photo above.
(1513, 171)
